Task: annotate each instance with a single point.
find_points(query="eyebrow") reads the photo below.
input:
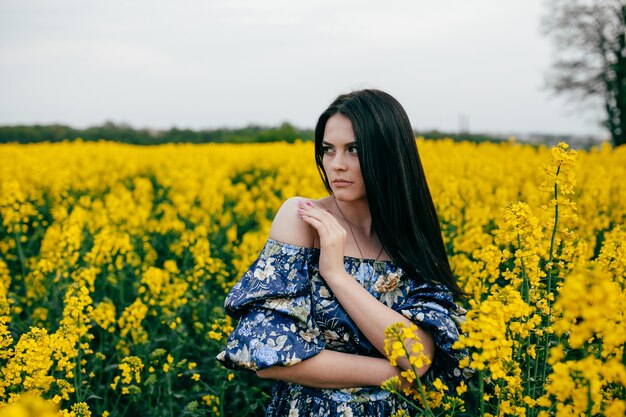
(330, 144)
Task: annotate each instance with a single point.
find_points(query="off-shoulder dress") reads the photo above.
(287, 314)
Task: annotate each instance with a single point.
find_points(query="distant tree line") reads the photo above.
(469, 137)
(126, 134)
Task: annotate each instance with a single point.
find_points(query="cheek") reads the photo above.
(326, 165)
(356, 168)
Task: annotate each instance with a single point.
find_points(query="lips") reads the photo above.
(341, 182)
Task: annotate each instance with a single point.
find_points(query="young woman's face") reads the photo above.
(341, 159)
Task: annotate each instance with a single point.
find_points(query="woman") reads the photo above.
(336, 272)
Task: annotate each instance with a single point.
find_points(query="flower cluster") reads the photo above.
(130, 377)
(221, 328)
(403, 343)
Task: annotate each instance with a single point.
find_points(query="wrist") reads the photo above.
(334, 278)
(385, 372)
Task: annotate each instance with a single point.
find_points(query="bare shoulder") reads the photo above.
(288, 227)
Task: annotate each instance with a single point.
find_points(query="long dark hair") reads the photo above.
(403, 214)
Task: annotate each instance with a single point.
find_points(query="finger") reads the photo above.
(332, 220)
(328, 230)
(325, 217)
(319, 213)
(312, 211)
(319, 226)
(329, 224)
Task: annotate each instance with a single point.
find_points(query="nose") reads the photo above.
(339, 162)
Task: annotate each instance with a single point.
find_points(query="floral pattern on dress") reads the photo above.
(288, 314)
(273, 304)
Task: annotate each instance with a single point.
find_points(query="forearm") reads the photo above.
(372, 317)
(330, 369)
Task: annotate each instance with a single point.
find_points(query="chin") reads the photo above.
(343, 195)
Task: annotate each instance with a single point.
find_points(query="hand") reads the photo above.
(332, 238)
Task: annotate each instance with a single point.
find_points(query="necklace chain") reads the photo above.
(354, 236)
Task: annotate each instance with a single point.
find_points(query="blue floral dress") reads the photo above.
(288, 314)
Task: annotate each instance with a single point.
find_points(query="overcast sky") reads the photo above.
(227, 63)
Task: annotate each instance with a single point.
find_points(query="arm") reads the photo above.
(370, 315)
(330, 369)
(289, 228)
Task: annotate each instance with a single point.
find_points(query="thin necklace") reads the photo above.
(353, 235)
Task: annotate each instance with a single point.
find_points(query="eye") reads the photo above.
(326, 149)
(353, 150)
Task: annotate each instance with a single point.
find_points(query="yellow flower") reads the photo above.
(461, 389)
(220, 328)
(104, 315)
(439, 386)
(80, 410)
(392, 384)
(130, 322)
(131, 368)
(397, 336)
(29, 404)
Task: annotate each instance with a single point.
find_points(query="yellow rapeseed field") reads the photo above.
(115, 261)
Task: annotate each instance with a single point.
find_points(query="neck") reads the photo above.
(357, 213)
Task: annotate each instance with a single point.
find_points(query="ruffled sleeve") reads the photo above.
(273, 304)
(432, 307)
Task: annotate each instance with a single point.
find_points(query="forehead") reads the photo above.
(338, 130)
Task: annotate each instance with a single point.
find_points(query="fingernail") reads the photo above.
(309, 203)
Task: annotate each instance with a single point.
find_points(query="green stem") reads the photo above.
(518, 351)
(221, 398)
(622, 389)
(20, 252)
(554, 229)
(170, 394)
(101, 380)
(126, 408)
(589, 399)
(417, 379)
(117, 401)
(481, 386)
(525, 290)
(538, 357)
(528, 366)
(547, 336)
(77, 376)
(499, 399)
(525, 282)
(423, 394)
(408, 400)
